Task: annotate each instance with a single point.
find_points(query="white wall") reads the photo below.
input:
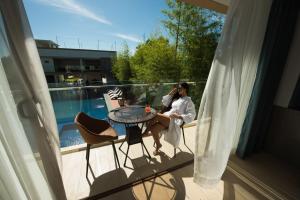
(291, 71)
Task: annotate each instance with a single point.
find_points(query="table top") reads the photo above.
(131, 114)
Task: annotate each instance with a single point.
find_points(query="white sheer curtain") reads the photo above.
(228, 89)
(29, 143)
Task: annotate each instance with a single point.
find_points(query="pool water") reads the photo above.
(65, 112)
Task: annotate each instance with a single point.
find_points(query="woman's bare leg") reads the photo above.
(159, 118)
(155, 130)
(155, 126)
(163, 119)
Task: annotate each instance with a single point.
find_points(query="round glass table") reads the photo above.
(134, 118)
(131, 114)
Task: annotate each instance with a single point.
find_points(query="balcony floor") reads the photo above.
(179, 185)
(171, 183)
(103, 174)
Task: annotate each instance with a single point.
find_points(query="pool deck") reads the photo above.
(161, 177)
(169, 177)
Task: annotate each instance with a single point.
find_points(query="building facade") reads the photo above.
(75, 66)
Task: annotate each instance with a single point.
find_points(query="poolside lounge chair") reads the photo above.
(95, 131)
(116, 95)
(113, 91)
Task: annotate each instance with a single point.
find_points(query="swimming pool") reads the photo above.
(65, 112)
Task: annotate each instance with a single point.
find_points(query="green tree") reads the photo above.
(195, 31)
(199, 44)
(154, 61)
(121, 64)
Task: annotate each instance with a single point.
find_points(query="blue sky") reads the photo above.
(85, 22)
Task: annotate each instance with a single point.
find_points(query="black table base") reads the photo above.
(134, 136)
(132, 116)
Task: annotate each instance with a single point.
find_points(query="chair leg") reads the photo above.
(88, 147)
(174, 152)
(122, 144)
(115, 153)
(183, 135)
(126, 156)
(142, 149)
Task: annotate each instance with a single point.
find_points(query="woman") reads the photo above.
(182, 110)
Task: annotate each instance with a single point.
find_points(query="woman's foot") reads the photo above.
(156, 152)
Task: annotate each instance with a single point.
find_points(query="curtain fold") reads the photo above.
(28, 129)
(279, 35)
(228, 89)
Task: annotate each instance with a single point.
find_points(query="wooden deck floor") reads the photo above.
(176, 184)
(179, 185)
(103, 174)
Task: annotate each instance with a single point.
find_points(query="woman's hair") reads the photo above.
(185, 86)
(175, 96)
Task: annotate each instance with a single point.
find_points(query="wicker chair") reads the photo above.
(95, 131)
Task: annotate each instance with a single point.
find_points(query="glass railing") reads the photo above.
(68, 101)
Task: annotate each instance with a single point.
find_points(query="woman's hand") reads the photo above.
(175, 115)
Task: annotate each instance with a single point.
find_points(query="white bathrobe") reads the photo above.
(183, 107)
